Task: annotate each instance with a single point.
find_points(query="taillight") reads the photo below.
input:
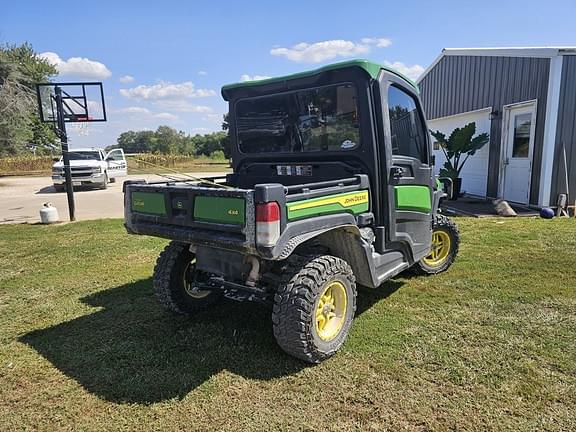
(267, 223)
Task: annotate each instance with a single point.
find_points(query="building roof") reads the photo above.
(373, 69)
(538, 52)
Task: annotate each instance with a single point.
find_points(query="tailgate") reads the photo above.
(192, 214)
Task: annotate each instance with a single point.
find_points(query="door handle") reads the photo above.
(507, 161)
(397, 172)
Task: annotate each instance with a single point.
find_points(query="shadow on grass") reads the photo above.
(132, 351)
(368, 297)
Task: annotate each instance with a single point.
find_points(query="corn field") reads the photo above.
(26, 165)
(172, 161)
(22, 165)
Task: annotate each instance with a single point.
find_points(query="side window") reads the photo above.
(115, 156)
(406, 125)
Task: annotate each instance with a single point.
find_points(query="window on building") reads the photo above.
(406, 125)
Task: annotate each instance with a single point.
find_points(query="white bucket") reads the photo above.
(49, 214)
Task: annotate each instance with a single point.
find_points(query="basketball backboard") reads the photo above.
(81, 102)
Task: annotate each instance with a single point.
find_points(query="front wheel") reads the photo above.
(444, 247)
(176, 281)
(314, 307)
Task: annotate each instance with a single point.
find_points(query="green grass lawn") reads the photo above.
(489, 345)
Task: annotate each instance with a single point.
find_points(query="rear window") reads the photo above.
(311, 120)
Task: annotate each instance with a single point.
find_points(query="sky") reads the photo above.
(164, 62)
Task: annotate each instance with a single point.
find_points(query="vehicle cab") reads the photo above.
(91, 167)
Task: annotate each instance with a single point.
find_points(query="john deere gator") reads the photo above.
(332, 187)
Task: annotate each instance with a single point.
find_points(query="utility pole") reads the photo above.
(65, 154)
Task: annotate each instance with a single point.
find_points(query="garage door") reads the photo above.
(475, 172)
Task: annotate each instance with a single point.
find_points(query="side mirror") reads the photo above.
(433, 160)
(448, 186)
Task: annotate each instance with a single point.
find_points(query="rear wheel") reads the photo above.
(444, 248)
(176, 281)
(314, 307)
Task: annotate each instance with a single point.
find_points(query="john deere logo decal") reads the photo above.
(233, 212)
(138, 202)
(355, 199)
(179, 204)
(353, 202)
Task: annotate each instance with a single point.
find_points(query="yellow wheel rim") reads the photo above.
(191, 290)
(331, 311)
(440, 250)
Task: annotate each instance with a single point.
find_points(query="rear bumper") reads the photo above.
(198, 236)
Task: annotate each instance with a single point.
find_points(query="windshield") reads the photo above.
(84, 155)
(311, 120)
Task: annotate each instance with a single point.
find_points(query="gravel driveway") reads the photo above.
(21, 198)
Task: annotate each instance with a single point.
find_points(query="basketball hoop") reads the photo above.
(75, 103)
(81, 127)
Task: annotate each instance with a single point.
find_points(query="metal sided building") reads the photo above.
(525, 98)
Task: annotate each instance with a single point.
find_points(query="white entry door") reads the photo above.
(518, 149)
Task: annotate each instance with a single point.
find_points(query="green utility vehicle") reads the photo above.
(332, 187)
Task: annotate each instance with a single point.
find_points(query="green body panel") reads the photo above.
(413, 197)
(148, 203)
(219, 209)
(373, 69)
(353, 202)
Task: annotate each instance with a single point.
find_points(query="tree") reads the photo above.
(166, 140)
(20, 70)
(460, 143)
(226, 146)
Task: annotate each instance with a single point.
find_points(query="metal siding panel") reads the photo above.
(440, 92)
(518, 83)
(449, 107)
(460, 83)
(449, 101)
(465, 81)
(482, 79)
(437, 91)
(473, 83)
(541, 95)
(509, 95)
(570, 142)
(566, 132)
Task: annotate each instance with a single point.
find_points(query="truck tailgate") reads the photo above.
(195, 214)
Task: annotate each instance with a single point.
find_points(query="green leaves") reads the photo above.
(448, 171)
(461, 142)
(20, 70)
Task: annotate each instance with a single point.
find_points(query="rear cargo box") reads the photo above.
(194, 214)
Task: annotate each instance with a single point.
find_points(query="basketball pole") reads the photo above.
(65, 155)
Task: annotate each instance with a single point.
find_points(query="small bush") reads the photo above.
(217, 155)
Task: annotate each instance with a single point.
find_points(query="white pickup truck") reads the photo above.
(91, 167)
